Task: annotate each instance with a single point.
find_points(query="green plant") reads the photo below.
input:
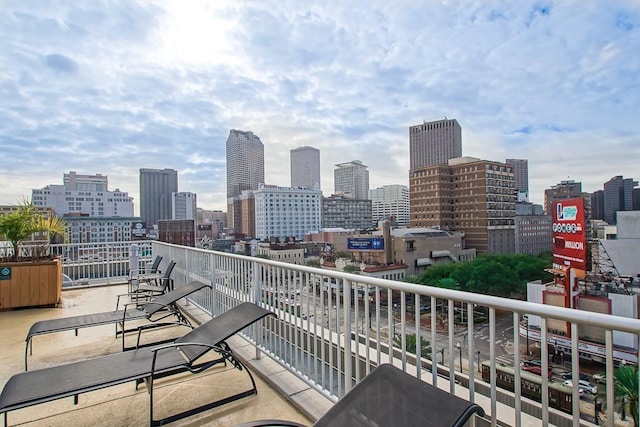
(410, 344)
(18, 225)
(626, 390)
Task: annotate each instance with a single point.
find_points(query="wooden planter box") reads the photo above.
(30, 284)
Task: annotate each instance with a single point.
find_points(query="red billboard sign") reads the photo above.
(569, 237)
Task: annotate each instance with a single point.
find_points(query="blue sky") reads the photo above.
(114, 86)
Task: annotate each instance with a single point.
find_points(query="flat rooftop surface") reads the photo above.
(123, 405)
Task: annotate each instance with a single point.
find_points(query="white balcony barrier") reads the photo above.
(332, 328)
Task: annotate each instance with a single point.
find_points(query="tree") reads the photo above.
(313, 263)
(625, 387)
(410, 344)
(18, 225)
(351, 269)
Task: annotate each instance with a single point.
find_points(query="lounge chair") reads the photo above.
(142, 366)
(144, 273)
(155, 310)
(153, 286)
(389, 396)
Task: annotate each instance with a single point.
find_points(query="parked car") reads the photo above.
(569, 383)
(536, 370)
(600, 378)
(568, 376)
(584, 385)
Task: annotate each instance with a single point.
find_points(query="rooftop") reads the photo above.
(122, 404)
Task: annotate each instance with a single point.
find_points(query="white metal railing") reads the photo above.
(97, 263)
(332, 328)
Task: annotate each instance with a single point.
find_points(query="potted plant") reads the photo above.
(29, 276)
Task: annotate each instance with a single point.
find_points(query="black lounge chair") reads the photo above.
(154, 286)
(389, 396)
(155, 310)
(142, 366)
(143, 273)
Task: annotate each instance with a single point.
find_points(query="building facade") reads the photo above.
(305, 167)
(434, 143)
(285, 212)
(156, 187)
(532, 229)
(84, 195)
(184, 205)
(85, 229)
(390, 202)
(568, 189)
(521, 176)
(618, 196)
(351, 179)
(245, 170)
(177, 231)
(339, 211)
(470, 195)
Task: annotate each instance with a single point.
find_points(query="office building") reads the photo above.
(245, 170)
(339, 211)
(284, 212)
(183, 205)
(597, 205)
(567, 189)
(351, 179)
(305, 167)
(521, 175)
(532, 229)
(467, 194)
(156, 187)
(177, 231)
(86, 195)
(618, 196)
(390, 202)
(434, 143)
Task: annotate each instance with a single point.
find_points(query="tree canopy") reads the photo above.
(495, 274)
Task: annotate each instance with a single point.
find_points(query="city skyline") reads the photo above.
(115, 87)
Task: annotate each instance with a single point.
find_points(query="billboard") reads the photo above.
(138, 231)
(568, 231)
(365, 244)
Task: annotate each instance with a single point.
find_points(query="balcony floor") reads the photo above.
(122, 405)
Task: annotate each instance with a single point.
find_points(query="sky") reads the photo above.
(113, 86)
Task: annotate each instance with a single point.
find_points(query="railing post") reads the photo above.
(134, 266)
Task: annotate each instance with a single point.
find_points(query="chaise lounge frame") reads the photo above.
(164, 306)
(144, 365)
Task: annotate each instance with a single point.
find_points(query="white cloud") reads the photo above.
(111, 87)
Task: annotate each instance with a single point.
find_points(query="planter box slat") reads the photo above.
(32, 284)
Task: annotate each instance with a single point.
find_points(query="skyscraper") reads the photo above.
(245, 170)
(521, 174)
(351, 179)
(305, 167)
(434, 143)
(245, 162)
(618, 196)
(156, 186)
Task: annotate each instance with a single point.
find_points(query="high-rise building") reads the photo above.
(156, 186)
(184, 205)
(434, 143)
(618, 196)
(521, 174)
(567, 189)
(390, 202)
(597, 205)
(245, 170)
(245, 162)
(467, 194)
(284, 212)
(86, 195)
(305, 167)
(351, 179)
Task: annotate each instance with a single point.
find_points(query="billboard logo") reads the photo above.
(567, 213)
(566, 228)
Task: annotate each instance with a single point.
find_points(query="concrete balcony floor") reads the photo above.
(122, 405)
